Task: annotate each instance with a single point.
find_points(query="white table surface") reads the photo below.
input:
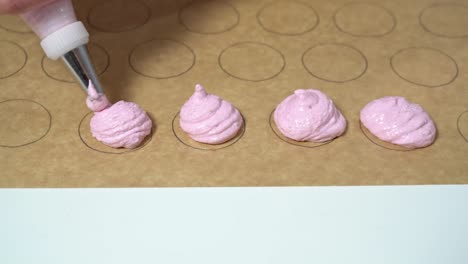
(400, 224)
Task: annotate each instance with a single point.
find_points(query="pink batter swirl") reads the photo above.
(209, 119)
(123, 124)
(393, 119)
(309, 115)
(95, 101)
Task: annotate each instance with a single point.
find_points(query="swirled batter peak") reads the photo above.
(309, 115)
(207, 118)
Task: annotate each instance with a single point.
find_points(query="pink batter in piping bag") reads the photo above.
(122, 124)
(62, 36)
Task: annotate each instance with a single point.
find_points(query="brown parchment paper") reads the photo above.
(253, 54)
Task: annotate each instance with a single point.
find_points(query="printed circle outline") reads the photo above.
(189, 4)
(388, 11)
(42, 136)
(146, 141)
(194, 58)
(431, 49)
(99, 28)
(366, 63)
(258, 15)
(435, 33)
(15, 31)
(458, 125)
(234, 140)
(25, 58)
(377, 144)
(270, 121)
(256, 43)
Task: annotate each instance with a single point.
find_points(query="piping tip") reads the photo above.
(79, 63)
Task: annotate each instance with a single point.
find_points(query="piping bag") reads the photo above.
(62, 36)
(123, 124)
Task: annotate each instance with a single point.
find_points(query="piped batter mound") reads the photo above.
(309, 115)
(396, 120)
(119, 125)
(207, 118)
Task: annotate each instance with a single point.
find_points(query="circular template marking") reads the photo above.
(288, 18)
(23, 122)
(334, 62)
(12, 58)
(379, 142)
(162, 58)
(84, 132)
(364, 20)
(445, 20)
(119, 15)
(189, 142)
(424, 66)
(209, 17)
(239, 59)
(304, 144)
(58, 71)
(14, 24)
(462, 125)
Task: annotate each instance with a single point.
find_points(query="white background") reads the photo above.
(411, 224)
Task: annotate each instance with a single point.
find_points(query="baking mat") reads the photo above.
(253, 54)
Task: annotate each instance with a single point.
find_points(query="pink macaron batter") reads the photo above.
(119, 125)
(396, 120)
(207, 118)
(309, 115)
(95, 101)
